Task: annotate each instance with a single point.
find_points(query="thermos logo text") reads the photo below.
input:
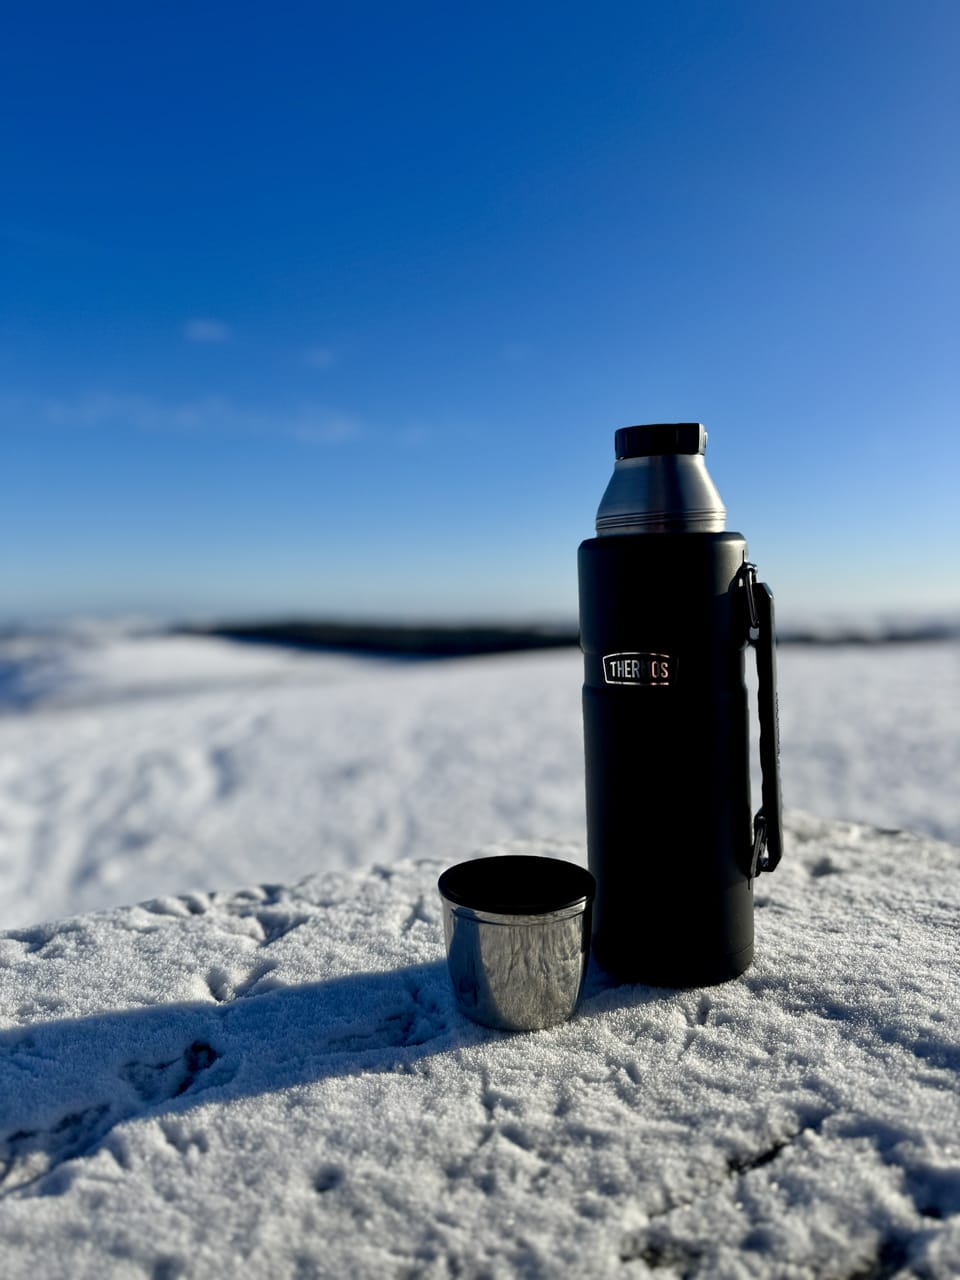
(639, 668)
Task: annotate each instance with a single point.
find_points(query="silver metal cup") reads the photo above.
(518, 938)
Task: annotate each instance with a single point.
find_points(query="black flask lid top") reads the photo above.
(660, 437)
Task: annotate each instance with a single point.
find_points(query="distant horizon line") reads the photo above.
(452, 635)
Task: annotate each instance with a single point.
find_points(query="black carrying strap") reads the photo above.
(768, 821)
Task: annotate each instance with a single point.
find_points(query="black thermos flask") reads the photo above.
(668, 602)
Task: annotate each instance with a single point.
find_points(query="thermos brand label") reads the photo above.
(639, 668)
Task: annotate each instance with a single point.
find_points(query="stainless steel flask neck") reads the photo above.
(660, 483)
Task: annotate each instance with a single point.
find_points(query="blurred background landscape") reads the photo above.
(315, 326)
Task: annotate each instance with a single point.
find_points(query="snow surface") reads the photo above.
(275, 1082)
(133, 765)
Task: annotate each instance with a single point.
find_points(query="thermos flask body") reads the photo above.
(664, 627)
(668, 604)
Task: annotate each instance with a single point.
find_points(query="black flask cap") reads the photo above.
(660, 437)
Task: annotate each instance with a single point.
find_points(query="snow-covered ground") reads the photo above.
(275, 1083)
(260, 1070)
(138, 765)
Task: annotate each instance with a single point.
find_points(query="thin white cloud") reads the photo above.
(205, 329)
(516, 352)
(414, 437)
(210, 415)
(324, 428)
(320, 357)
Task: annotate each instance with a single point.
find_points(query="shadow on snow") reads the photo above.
(66, 1084)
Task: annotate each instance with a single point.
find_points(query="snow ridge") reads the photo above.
(310, 761)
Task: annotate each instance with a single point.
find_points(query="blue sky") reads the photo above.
(334, 309)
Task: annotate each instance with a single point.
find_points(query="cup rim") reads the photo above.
(517, 888)
(514, 920)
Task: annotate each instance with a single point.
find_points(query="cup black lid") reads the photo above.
(517, 884)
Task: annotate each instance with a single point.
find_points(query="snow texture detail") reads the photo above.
(277, 1081)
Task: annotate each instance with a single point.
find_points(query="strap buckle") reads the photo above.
(758, 858)
(750, 582)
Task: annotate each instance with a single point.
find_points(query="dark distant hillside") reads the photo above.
(396, 639)
(870, 634)
(454, 640)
